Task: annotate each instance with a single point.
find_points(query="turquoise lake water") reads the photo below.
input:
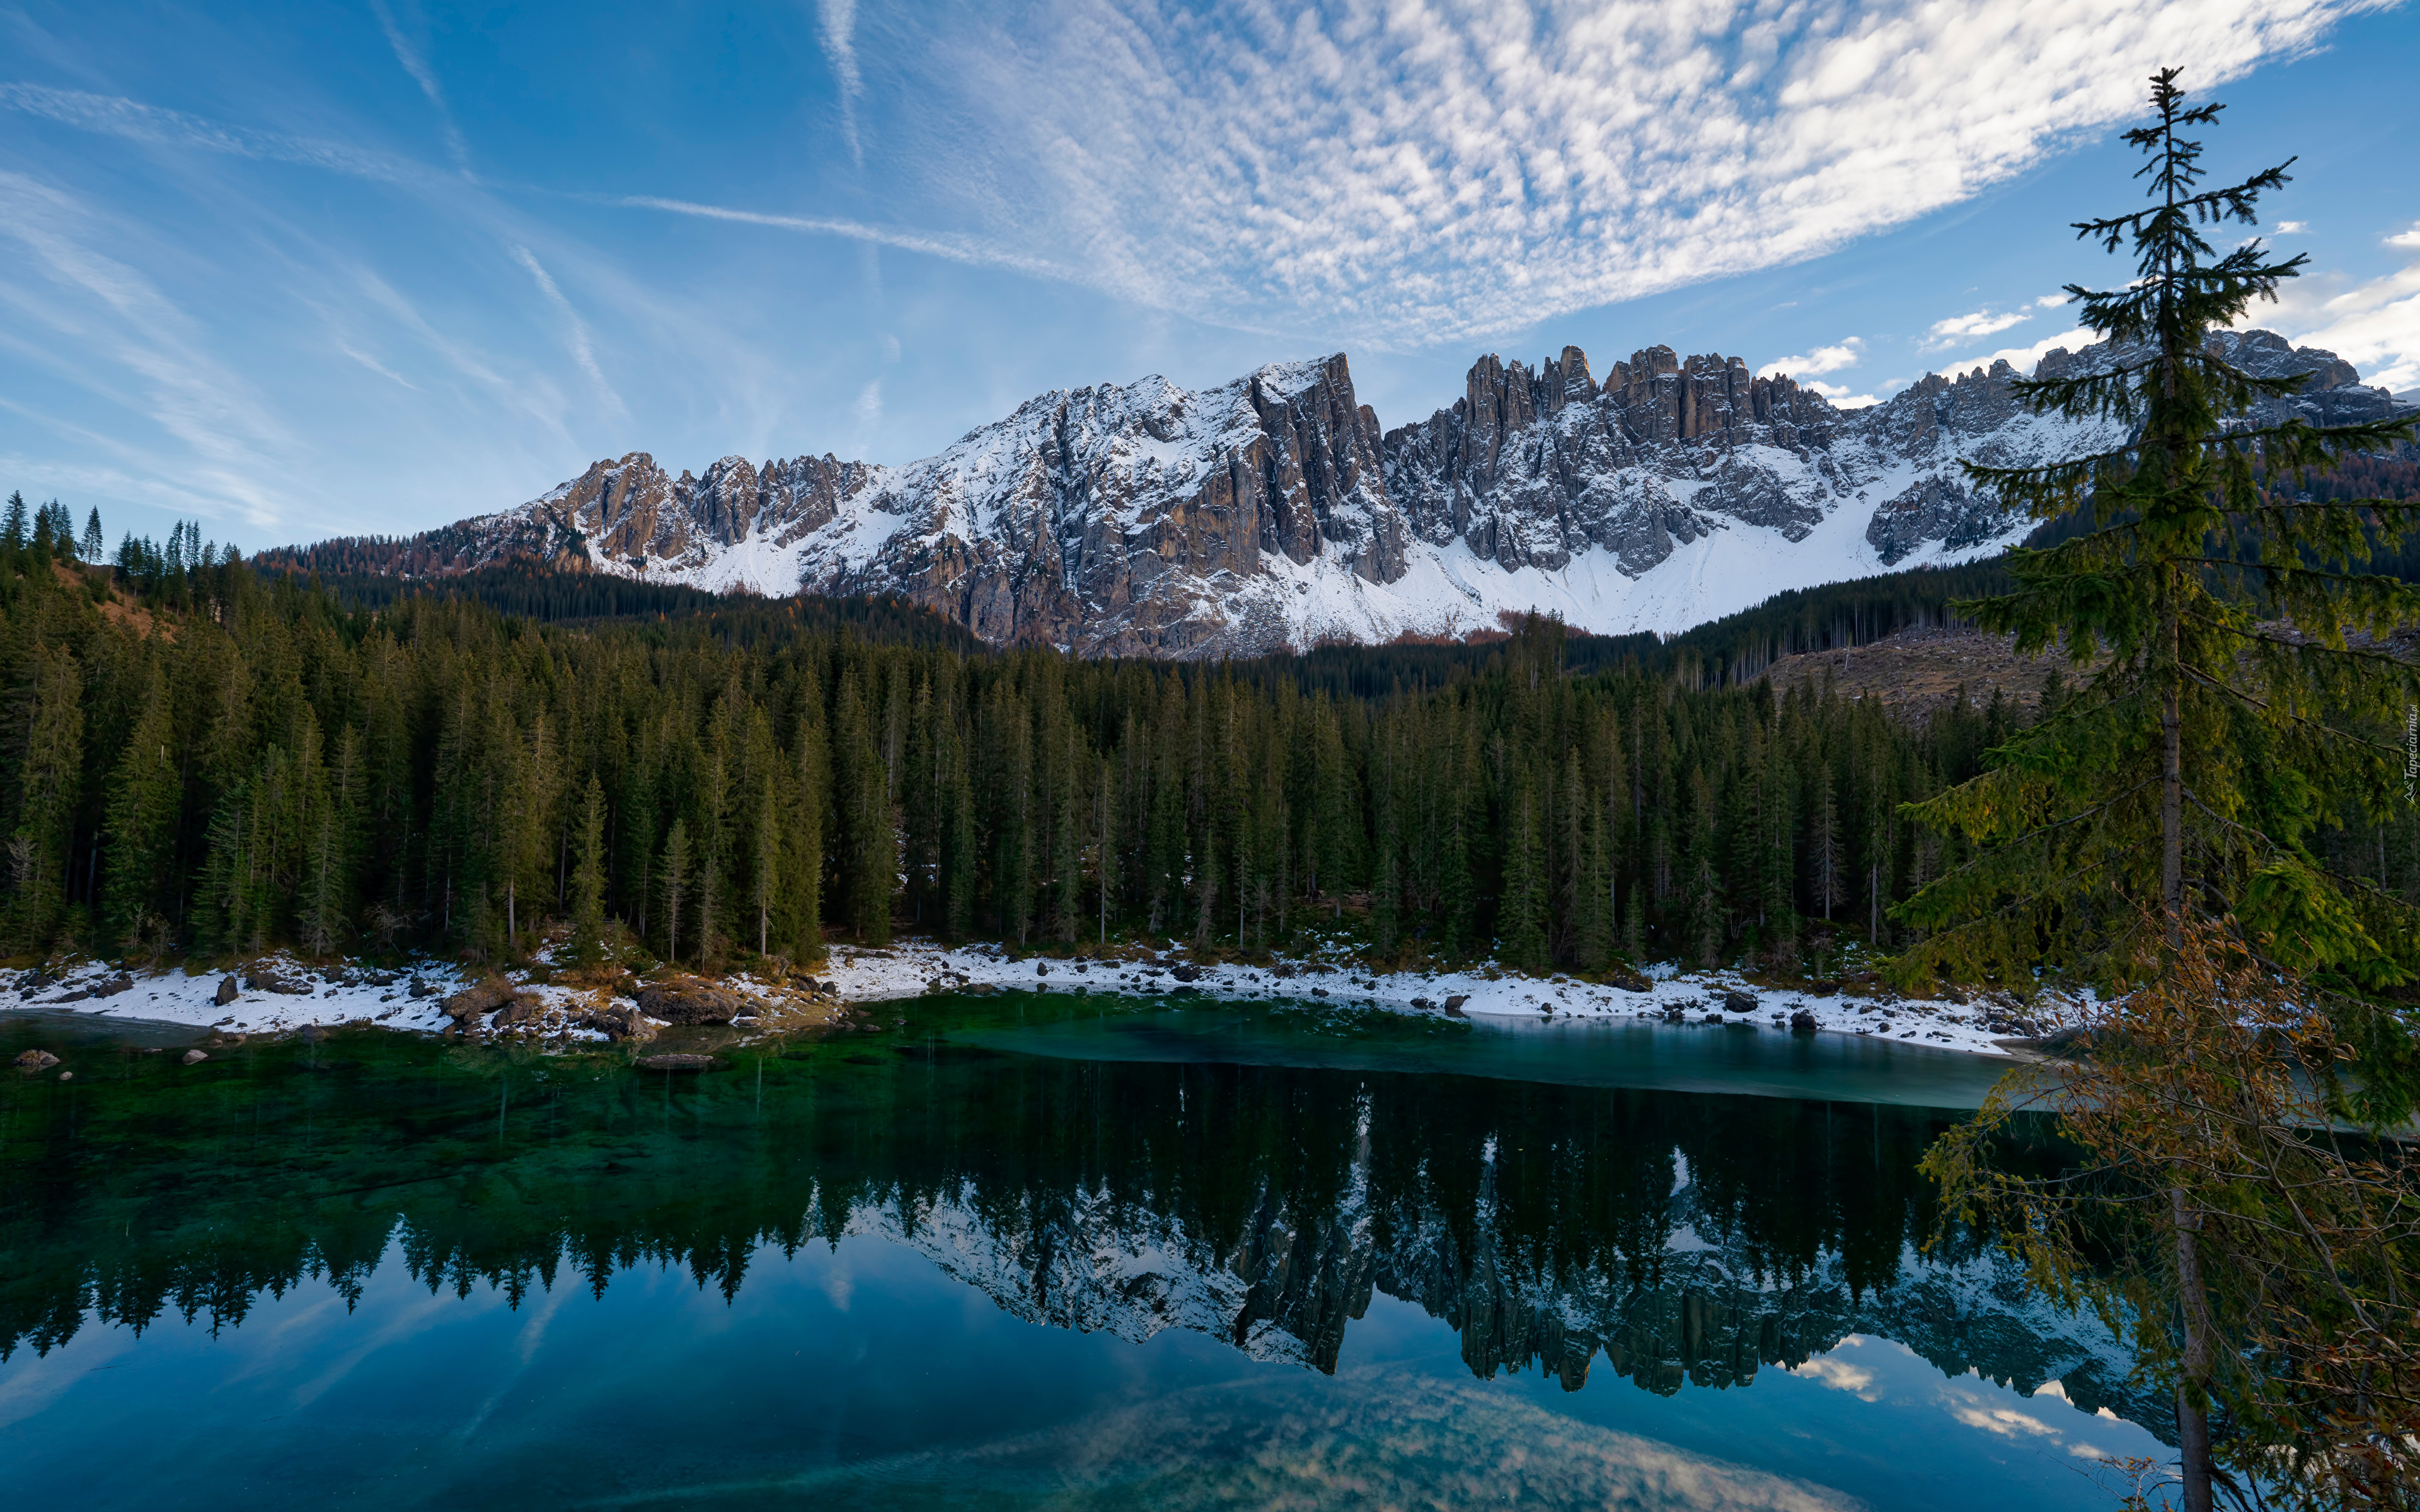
(1024, 1252)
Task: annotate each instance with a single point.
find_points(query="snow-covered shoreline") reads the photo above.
(381, 998)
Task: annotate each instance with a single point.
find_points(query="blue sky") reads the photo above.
(333, 268)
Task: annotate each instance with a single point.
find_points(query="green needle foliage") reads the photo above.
(2239, 698)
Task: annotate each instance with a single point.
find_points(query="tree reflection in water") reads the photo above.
(1677, 1237)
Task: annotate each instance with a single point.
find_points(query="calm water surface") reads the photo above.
(1023, 1251)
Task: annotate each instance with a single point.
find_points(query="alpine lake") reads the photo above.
(1025, 1251)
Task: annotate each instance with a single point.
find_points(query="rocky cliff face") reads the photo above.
(1273, 513)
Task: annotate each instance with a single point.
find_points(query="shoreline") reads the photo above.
(350, 994)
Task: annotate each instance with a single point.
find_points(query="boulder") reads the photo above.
(478, 999)
(1802, 1022)
(1453, 1004)
(421, 989)
(312, 1034)
(623, 1021)
(36, 1060)
(1628, 980)
(122, 983)
(1186, 972)
(227, 993)
(691, 1000)
(194, 1057)
(1736, 1001)
(520, 1010)
(269, 982)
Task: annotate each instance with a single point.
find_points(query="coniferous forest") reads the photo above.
(212, 760)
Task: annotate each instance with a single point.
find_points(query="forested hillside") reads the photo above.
(202, 758)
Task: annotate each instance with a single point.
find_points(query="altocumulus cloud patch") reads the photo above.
(1414, 172)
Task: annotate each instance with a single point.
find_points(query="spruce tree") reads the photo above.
(804, 868)
(678, 866)
(768, 867)
(94, 543)
(2238, 697)
(588, 880)
(49, 783)
(1521, 926)
(140, 827)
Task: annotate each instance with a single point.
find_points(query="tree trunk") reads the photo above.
(2172, 789)
(2193, 1368)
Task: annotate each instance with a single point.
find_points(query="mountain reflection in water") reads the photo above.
(1671, 1237)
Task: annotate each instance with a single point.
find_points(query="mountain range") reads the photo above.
(1275, 512)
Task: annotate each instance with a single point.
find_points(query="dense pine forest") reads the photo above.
(206, 759)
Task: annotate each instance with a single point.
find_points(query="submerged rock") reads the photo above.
(36, 1060)
(677, 1062)
(194, 1057)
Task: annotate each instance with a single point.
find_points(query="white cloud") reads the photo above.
(2293, 228)
(584, 349)
(111, 116)
(72, 286)
(2374, 325)
(1848, 353)
(1840, 396)
(837, 20)
(2406, 239)
(416, 64)
(1840, 1375)
(2005, 1421)
(865, 416)
(1960, 328)
(2021, 358)
(2051, 301)
(1432, 170)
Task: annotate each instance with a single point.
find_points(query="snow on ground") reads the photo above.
(343, 995)
(908, 969)
(358, 996)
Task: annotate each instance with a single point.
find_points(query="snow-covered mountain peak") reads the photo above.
(1274, 512)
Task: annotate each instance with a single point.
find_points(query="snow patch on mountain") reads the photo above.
(1274, 512)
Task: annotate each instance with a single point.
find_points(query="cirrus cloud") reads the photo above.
(1428, 170)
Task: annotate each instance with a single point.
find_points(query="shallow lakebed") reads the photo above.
(1022, 1251)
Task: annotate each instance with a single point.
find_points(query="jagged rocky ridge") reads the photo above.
(1274, 512)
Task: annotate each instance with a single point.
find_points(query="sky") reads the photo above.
(295, 271)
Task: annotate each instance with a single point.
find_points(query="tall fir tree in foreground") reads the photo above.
(2238, 694)
(2160, 827)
